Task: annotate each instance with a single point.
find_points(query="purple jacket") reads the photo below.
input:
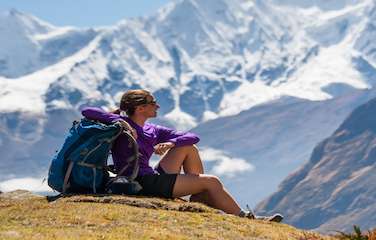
(148, 136)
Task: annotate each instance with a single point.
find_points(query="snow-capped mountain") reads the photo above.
(203, 60)
(335, 189)
(206, 59)
(29, 44)
(321, 4)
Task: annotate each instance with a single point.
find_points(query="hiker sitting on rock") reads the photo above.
(177, 149)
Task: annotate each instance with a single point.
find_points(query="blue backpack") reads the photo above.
(81, 165)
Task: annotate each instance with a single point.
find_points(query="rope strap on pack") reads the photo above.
(67, 175)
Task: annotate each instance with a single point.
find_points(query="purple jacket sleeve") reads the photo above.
(98, 114)
(165, 134)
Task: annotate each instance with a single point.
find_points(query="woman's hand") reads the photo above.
(126, 126)
(162, 148)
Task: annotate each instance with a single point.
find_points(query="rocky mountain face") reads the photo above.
(335, 189)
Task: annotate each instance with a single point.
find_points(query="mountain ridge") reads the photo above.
(169, 60)
(337, 181)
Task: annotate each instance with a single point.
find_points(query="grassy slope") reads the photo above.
(24, 216)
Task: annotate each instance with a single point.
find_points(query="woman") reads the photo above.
(177, 150)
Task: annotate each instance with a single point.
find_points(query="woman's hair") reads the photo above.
(133, 98)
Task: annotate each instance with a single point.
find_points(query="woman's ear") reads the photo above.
(139, 109)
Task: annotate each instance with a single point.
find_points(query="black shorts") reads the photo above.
(157, 185)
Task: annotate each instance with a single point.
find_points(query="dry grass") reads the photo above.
(357, 235)
(117, 217)
(372, 235)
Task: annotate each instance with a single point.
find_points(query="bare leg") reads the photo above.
(218, 197)
(203, 188)
(187, 157)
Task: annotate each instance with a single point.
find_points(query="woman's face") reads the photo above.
(149, 109)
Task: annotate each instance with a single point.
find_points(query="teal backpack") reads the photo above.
(81, 164)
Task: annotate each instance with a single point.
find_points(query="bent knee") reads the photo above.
(212, 181)
(187, 148)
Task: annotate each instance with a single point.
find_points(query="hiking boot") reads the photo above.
(247, 214)
(250, 214)
(274, 218)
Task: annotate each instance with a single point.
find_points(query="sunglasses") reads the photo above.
(142, 100)
(153, 102)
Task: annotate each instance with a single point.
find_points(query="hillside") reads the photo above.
(335, 189)
(27, 216)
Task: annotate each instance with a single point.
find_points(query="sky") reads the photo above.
(84, 13)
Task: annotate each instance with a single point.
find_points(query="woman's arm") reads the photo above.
(178, 138)
(98, 114)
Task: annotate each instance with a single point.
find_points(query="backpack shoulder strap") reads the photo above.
(132, 159)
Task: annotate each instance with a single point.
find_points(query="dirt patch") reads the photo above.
(143, 202)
